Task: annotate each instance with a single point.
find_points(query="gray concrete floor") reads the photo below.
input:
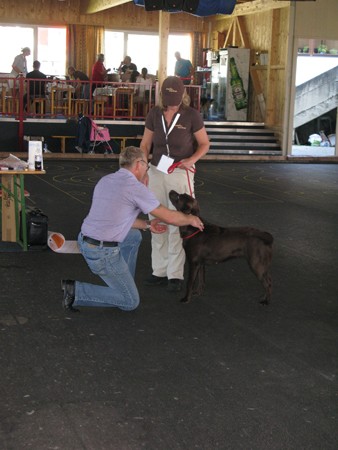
(222, 372)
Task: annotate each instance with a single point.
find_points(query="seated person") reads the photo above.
(36, 88)
(126, 68)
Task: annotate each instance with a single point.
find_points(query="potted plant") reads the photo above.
(322, 48)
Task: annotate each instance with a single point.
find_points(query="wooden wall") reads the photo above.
(317, 20)
(265, 31)
(124, 17)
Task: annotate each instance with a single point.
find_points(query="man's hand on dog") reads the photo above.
(158, 227)
(196, 222)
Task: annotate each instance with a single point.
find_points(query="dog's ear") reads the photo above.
(189, 205)
(195, 209)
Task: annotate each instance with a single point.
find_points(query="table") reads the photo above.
(12, 203)
(103, 97)
(105, 91)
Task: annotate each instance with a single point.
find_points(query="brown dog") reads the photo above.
(217, 244)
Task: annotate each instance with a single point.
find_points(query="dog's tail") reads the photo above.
(266, 237)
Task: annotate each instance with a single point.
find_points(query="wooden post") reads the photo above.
(164, 24)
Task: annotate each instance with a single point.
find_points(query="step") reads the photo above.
(241, 138)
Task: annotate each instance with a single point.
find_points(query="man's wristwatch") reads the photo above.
(148, 225)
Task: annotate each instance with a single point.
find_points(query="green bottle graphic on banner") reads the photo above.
(236, 83)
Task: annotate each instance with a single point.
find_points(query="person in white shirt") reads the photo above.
(142, 97)
(19, 66)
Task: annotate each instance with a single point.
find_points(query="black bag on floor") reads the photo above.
(37, 229)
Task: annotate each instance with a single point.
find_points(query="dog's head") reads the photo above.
(184, 203)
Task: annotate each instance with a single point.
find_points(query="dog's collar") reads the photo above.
(191, 235)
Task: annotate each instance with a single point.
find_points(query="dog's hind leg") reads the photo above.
(259, 263)
(199, 284)
(266, 280)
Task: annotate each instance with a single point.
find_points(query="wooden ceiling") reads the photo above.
(93, 6)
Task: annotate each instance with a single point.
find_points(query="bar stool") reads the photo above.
(39, 103)
(99, 105)
(81, 106)
(11, 105)
(61, 100)
(124, 102)
(2, 98)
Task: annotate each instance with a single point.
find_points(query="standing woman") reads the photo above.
(179, 139)
(19, 65)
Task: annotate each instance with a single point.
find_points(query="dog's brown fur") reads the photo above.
(217, 244)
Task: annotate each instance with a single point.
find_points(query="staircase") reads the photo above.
(241, 138)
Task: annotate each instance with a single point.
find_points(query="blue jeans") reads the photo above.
(116, 266)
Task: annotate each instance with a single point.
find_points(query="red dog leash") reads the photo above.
(191, 235)
(175, 166)
(193, 170)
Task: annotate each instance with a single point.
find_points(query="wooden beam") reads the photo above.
(164, 25)
(254, 7)
(238, 34)
(94, 6)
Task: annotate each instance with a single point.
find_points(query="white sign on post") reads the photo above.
(34, 148)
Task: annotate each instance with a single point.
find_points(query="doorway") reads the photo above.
(316, 98)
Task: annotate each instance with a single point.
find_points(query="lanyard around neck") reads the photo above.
(169, 131)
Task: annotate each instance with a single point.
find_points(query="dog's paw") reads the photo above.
(185, 300)
(264, 301)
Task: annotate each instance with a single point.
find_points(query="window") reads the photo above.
(15, 38)
(114, 49)
(51, 50)
(48, 45)
(178, 43)
(144, 49)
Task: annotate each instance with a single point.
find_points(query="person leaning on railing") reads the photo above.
(82, 87)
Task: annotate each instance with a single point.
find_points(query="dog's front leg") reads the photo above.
(193, 272)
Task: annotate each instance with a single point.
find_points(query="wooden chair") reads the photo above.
(61, 101)
(11, 105)
(2, 98)
(80, 105)
(99, 106)
(123, 102)
(38, 105)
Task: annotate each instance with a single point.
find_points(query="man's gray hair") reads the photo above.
(129, 155)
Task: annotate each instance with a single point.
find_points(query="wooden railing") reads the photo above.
(23, 99)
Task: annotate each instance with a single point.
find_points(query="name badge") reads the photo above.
(165, 163)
